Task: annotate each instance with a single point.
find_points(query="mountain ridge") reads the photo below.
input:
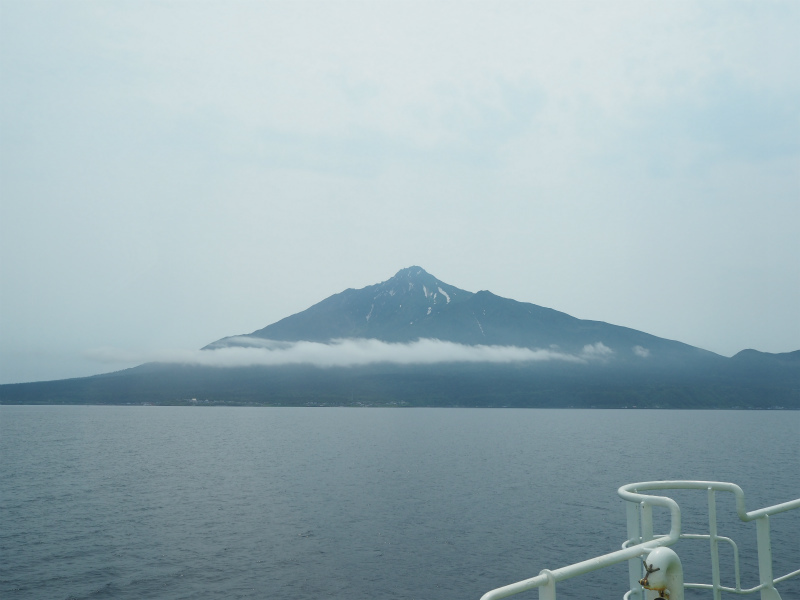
(608, 366)
(413, 304)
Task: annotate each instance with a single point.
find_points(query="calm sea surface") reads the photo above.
(157, 502)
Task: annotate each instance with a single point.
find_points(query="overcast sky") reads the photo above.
(176, 172)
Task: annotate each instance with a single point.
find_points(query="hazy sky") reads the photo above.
(176, 172)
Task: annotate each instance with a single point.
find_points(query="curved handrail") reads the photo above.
(632, 493)
(546, 576)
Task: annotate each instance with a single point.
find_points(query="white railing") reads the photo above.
(641, 542)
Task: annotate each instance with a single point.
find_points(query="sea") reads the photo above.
(368, 503)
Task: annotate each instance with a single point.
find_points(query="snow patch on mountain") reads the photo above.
(483, 333)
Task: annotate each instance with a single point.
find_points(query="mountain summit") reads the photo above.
(386, 311)
(415, 305)
(399, 309)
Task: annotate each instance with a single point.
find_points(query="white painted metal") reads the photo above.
(647, 521)
(768, 592)
(642, 542)
(634, 564)
(712, 530)
(548, 590)
(666, 580)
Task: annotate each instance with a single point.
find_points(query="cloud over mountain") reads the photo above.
(339, 353)
(414, 340)
(414, 318)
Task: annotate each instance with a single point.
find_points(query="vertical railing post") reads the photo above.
(712, 530)
(647, 522)
(548, 590)
(634, 564)
(768, 592)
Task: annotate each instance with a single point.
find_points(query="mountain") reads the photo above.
(415, 305)
(596, 364)
(767, 359)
